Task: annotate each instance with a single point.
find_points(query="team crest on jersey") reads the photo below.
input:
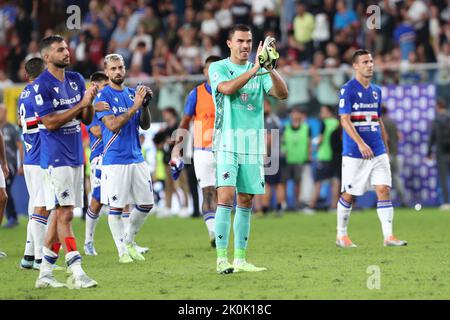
(375, 95)
(73, 85)
(131, 97)
(244, 97)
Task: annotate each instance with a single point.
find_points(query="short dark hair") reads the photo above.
(48, 41)
(212, 59)
(172, 111)
(34, 67)
(330, 108)
(238, 27)
(358, 53)
(98, 76)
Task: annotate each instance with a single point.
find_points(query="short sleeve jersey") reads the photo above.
(364, 106)
(30, 130)
(63, 146)
(239, 121)
(122, 146)
(96, 144)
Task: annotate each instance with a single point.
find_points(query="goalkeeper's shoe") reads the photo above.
(244, 266)
(268, 55)
(134, 253)
(394, 242)
(345, 242)
(26, 264)
(2, 254)
(142, 250)
(224, 267)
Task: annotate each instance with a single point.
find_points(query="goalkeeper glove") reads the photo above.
(268, 55)
(175, 168)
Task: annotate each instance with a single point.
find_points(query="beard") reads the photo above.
(61, 64)
(118, 81)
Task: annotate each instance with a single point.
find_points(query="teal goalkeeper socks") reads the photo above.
(222, 228)
(241, 228)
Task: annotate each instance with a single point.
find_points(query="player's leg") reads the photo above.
(250, 181)
(205, 171)
(142, 194)
(3, 200)
(355, 175)
(116, 192)
(93, 211)
(267, 196)
(39, 223)
(126, 226)
(381, 179)
(50, 255)
(226, 173)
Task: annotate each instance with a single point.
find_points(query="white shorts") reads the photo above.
(205, 168)
(95, 177)
(126, 184)
(2, 179)
(360, 175)
(34, 175)
(64, 186)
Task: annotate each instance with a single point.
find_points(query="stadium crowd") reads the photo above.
(173, 38)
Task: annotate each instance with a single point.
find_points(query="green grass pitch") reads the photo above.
(299, 252)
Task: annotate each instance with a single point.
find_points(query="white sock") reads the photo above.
(116, 227)
(385, 212)
(91, 223)
(209, 220)
(38, 227)
(126, 221)
(48, 261)
(73, 261)
(344, 209)
(29, 244)
(137, 219)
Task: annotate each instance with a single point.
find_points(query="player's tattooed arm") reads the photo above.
(96, 131)
(54, 121)
(347, 125)
(145, 119)
(87, 113)
(114, 123)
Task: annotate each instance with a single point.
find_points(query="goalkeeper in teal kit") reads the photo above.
(238, 88)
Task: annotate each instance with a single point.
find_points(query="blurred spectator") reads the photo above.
(241, 12)
(440, 142)
(323, 166)
(136, 72)
(13, 146)
(263, 18)
(443, 75)
(141, 58)
(405, 36)
(170, 117)
(22, 26)
(120, 40)
(189, 55)
(141, 37)
(4, 81)
(15, 57)
(209, 25)
(171, 94)
(172, 31)
(336, 166)
(33, 50)
(345, 18)
(321, 32)
(208, 49)
(296, 145)
(272, 124)
(303, 30)
(164, 63)
(393, 138)
(225, 20)
(151, 22)
(96, 46)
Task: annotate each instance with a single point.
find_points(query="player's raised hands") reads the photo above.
(366, 151)
(101, 106)
(89, 95)
(139, 96)
(258, 51)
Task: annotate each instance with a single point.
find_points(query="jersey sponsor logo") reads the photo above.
(73, 85)
(119, 109)
(24, 94)
(251, 107)
(36, 88)
(62, 101)
(355, 106)
(39, 100)
(374, 105)
(252, 85)
(55, 103)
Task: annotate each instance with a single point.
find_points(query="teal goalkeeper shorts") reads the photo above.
(243, 171)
